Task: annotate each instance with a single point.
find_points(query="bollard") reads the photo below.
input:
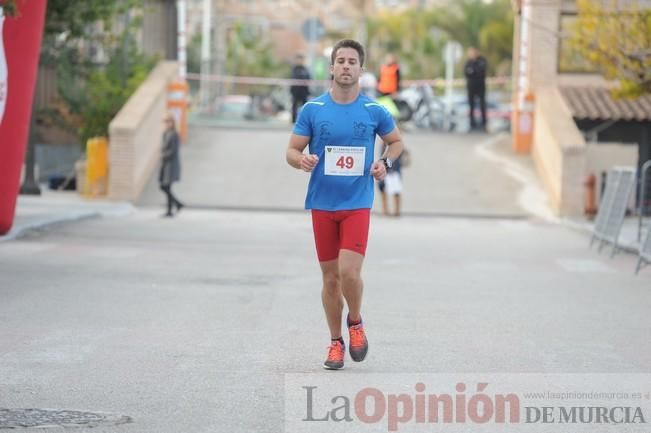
(523, 125)
(97, 166)
(590, 205)
(177, 105)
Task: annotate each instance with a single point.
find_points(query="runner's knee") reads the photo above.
(350, 276)
(331, 282)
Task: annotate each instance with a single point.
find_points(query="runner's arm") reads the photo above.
(295, 156)
(393, 149)
(394, 146)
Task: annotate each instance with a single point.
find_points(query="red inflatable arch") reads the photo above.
(20, 46)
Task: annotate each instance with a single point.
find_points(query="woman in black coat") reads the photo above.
(170, 170)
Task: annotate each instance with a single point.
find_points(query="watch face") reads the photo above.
(389, 163)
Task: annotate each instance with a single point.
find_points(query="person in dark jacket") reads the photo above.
(170, 170)
(299, 92)
(475, 72)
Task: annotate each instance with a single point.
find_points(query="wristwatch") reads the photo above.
(388, 162)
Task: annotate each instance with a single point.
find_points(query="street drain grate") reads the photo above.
(26, 418)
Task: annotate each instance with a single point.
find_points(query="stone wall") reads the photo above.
(559, 152)
(135, 135)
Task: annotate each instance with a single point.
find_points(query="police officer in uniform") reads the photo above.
(300, 92)
(475, 72)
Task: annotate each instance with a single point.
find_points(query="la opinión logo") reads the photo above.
(371, 406)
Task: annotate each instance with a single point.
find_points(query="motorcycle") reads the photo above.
(419, 105)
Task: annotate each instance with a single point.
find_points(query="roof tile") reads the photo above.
(598, 103)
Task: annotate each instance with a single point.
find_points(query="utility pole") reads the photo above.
(220, 49)
(181, 47)
(311, 44)
(205, 53)
(451, 55)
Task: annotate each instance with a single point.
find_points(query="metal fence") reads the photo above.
(610, 216)
(645, 253)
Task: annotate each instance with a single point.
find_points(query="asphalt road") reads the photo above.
(194, 324)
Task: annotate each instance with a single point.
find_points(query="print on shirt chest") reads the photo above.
(351, 131)
(345, 146)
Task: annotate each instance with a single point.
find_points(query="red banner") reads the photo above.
(20, 46)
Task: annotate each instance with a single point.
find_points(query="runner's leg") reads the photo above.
(354, 237)
(351, 257)
(331, 297)
(350, 269)
(326, 238)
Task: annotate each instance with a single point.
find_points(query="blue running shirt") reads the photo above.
(343, 137)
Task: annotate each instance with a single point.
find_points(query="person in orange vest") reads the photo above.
(389, 81)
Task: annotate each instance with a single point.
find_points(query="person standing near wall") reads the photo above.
(170, 170)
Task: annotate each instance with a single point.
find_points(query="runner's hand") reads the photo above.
(378, 170)
(308, 162)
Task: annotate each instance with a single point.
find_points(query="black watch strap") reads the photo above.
(386, 164)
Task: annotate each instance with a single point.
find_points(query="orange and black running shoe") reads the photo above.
(358, 342)
(335, 360)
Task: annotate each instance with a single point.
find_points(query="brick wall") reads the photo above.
(559, 153)
(135, 135)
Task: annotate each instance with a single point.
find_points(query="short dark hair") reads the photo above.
(348, 43)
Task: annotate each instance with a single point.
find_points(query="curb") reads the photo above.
(22, 229)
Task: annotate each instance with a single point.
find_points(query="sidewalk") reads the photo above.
(54, 207)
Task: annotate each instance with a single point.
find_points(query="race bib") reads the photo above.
(344, 160)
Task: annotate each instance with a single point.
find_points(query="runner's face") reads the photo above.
(346, 69)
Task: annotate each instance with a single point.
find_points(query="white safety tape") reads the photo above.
(294, 82)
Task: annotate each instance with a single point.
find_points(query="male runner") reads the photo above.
(340, 127)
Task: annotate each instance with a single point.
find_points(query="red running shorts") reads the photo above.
(336, 230)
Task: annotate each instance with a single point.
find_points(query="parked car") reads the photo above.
(233, 107)
(498, 116)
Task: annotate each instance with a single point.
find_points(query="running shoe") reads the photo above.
(335, 360)
(358, 342)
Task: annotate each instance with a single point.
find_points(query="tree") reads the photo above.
(97, 62)
(408, 36)
(251, 54)
(487, 26)
(91, 104)
(9, 7)
(417, 37)
(615, 37)
(496, 43)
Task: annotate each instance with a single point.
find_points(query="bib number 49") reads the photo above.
(345, 162)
